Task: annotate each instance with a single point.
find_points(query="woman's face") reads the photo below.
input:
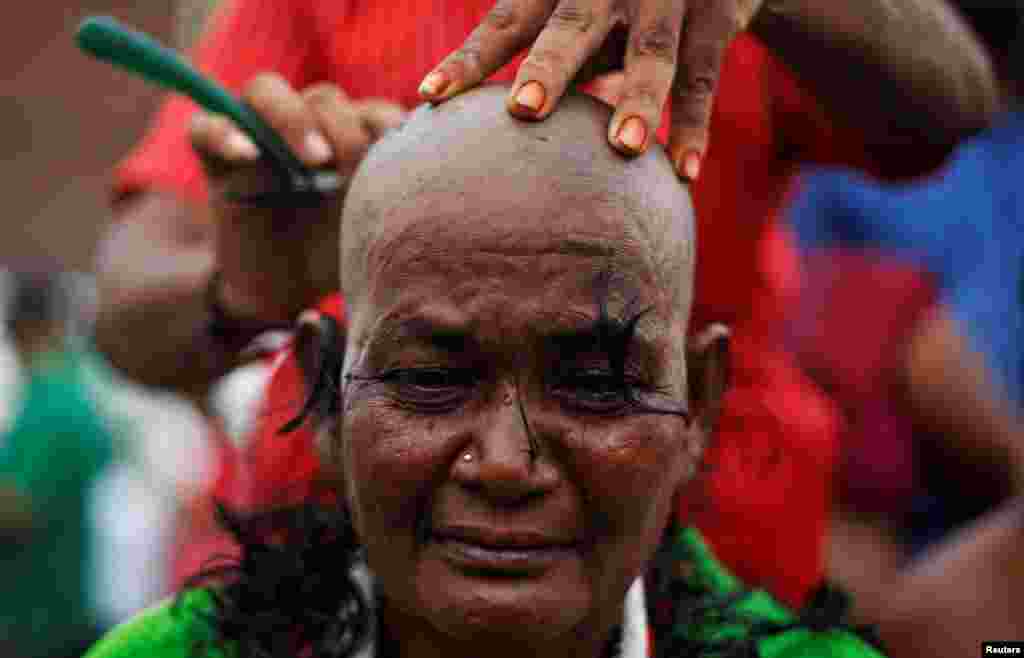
(500, 478)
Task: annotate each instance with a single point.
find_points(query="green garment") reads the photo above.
(777, 631)
(171, 630)
(52, 455)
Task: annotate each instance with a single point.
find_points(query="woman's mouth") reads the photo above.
(496, 553)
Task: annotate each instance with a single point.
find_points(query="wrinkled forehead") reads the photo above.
(532, 240)
(502, 265)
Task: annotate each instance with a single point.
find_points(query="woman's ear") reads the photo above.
(707, 360)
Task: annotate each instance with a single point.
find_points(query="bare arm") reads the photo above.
(904, 70)
(964, 592)
(966, 589)
(951, 390)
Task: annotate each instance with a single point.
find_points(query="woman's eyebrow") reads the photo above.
(642, 345)
(444, 336)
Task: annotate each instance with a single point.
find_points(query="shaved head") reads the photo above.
(517, 298)
(467, 160)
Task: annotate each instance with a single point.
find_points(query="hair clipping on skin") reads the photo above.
(316, 346)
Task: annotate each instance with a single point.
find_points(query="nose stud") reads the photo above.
(467, 457)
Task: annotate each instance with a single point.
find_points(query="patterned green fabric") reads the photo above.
(755, 619)
(171, 629)
(699, 608)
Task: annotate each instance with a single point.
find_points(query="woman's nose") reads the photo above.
(504, 462)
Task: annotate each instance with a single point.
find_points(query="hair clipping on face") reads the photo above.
(317, 347)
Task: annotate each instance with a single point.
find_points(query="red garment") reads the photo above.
(860, 358)
(767, 523)
(278, 469)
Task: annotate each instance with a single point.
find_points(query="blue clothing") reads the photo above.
(965, 226)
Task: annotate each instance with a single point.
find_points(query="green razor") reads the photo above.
(104, 38)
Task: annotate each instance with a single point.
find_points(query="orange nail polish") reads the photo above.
(531, 96)
(633, 134)
(692, 165)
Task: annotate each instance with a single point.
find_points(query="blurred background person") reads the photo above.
(57, 446)
(56, 200)
(912, 317)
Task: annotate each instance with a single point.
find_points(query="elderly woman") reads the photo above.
(510, 419)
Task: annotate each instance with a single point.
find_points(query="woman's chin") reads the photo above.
(518, 601)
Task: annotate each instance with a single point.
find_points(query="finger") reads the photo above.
(506, 29)
(610, 57)
(336, 117)
(708, 34)
(283, 108)
(651, 56)
(608, 88)
(216, 138)
(379, 115)
(229, 157)
(574, 31)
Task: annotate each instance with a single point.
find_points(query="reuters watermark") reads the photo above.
(1002, 649)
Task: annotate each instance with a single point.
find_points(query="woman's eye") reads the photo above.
(434, 388)
(592, 390)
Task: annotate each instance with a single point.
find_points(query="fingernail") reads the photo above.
(434, 84)
(317, 148)
(691, 165)
(688, 164)
(633, 134)
(531, 96)
(240, 146)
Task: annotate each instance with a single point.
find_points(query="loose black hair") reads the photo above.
(292, 591)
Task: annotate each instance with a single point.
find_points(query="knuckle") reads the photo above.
(659, 41)
(263, 86)
(550, 62)
(467, 58)
(504, 15)
(573, 16)
(697, 83)
(323, 95)
(643, 94)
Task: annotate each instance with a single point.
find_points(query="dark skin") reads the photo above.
(971, 579)
(977, 448)
(157, 256)
(474, 330)
(674, 51)
(455, 304)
